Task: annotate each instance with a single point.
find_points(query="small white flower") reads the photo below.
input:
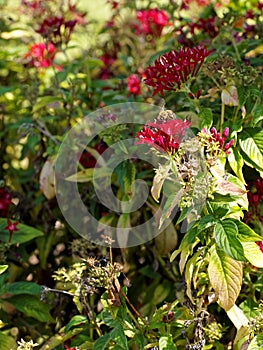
(26, 345)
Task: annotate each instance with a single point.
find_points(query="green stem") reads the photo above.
(222, 117)
(235, 47)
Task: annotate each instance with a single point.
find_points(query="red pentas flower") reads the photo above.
(11, 227)
(152, 22)
(40, 55)
(134, 85)
(87, 160)
(5, 202)
(174, 68)
(164, 135)
(57, 29)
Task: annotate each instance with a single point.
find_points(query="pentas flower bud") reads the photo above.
(11, 227)
(228, 145)
(225, 133)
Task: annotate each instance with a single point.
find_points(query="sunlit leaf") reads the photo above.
(251, 143)
(236, 162)
(47, 179)
(225, 275)
(253, 253)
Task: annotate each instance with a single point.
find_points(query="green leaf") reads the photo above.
(225, 275)
(3, 268)
(23, 288)
(118, 336)
(87, 175)
(25, 233)
(206, 222)
(253, 254)
(170, 203)
(236, 162)
(44, 101)
(242, 95)
(7, 342)
(225, 233)
(75, 321)
(256, 343)
(31, 306)
(166, 343)
(206, 118)
(251, 143)
(258, 114)
(245, 233)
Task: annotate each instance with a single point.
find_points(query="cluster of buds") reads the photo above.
(196, 95)
(175, 68)
(214, 143)
(56, 29)
(169, 317)
(222, 139)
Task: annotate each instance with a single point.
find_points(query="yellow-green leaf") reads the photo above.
(253, 254)
(236, 162)
(225, 275)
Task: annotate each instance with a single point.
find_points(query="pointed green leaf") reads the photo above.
(102, 342)
(3, 268)
(118, 336)
(225, 275)
(251, 143)
(245, 233)
(170, 204)
(23, 288)
(225, 233)
(253, 253)
(75, 321)
(236, 162)
(206, 118)
(31, 306)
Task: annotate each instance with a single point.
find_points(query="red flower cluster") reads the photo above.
(40, 55)
(87, 160)
(221, 139)
(5, 202)
(174, 68)
(152, 22)
(57, 29)
(164, 135)
(134, 85)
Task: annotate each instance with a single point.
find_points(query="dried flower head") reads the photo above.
(175, 68)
